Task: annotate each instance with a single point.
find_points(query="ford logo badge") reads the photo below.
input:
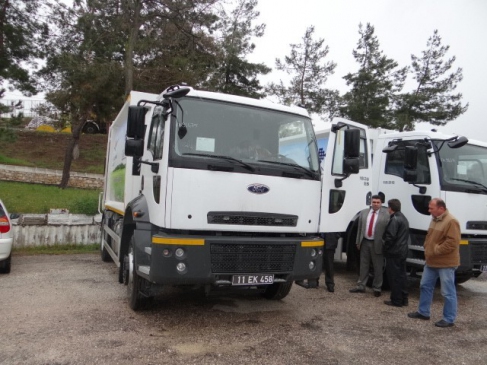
(258, 188)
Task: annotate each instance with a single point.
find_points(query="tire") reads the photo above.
(134, 282)
(462, 278)
(278, 291)
(90, 128)
(6, 264)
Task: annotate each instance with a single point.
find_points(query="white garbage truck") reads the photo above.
(415, 167)
(213, 191)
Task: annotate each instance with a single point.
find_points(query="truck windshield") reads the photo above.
(464, 169)
(241, 136)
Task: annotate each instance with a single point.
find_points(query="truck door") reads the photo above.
(414, 195)
(342, 194)
(154, 175)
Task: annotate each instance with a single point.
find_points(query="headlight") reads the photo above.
(181, 267)
(179, 252)
(312, 265)
(313, 252)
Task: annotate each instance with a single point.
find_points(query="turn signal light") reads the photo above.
(4, 225)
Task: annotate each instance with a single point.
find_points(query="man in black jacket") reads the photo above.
(396, 239)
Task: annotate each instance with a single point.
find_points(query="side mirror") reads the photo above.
(182, 131)
(352, 143)
(351, 165)
(134, 147)
(136, 121)
(410, 173)
(459, 142)
(411, 158)
(351, 162)
(176, 92)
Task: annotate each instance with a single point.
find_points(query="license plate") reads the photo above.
(257, 279)
(483, 268)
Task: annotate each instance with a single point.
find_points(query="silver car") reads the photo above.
(6, 240)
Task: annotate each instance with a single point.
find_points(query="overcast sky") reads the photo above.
(402, 28)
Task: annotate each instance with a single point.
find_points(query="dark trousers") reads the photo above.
(398, 281)
(328, 258)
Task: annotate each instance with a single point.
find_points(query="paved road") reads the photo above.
(70, 309)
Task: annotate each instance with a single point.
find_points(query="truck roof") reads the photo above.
(245, 100)
(426, 133)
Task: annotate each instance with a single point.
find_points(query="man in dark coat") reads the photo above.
(396, 240)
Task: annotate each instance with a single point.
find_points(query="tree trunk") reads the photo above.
(68, 156)
(132, 38)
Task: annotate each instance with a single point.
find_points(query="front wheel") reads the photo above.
(133, 281)
(278, 291)
(462, 278)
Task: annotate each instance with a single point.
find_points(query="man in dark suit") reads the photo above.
(396, 242)
(371, 225)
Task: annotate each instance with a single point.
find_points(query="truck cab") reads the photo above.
(417, 166)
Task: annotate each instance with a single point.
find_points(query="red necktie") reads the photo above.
(371, 224)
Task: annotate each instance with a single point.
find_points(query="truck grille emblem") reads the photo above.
(258, 188)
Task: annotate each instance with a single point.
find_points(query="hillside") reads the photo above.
(47, 150)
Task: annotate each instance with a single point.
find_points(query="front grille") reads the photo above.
(479, 253)
(481, 225)
(252, 258)
(252, 219)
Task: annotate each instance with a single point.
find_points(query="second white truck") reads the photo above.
(415, 167)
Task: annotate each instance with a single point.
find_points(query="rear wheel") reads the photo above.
(134, 282)
(6, 264)
(278, 291)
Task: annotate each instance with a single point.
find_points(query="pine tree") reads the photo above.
(22, 32)
(232, 73)
(433, 99)
(374, 86)
(309, 73)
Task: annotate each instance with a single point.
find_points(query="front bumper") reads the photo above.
(214, 260)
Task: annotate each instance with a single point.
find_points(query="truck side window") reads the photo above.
(156, 136)
(395, 164)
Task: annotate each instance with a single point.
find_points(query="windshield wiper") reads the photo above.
(471, 182)
(228, 158)
(295, 166)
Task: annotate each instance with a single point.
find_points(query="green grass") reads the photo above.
(39, 199)
(56, 249)
(13, 161)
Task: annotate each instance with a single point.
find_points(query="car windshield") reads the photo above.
(464, 167)
(256, 136)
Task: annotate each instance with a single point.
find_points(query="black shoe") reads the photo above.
(417, 315)
(357, 290)
(330, 288)
(405, 303)
(388, 302)
(443, 324)
(377, 293)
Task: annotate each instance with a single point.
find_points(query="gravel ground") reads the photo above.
(70, 309)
